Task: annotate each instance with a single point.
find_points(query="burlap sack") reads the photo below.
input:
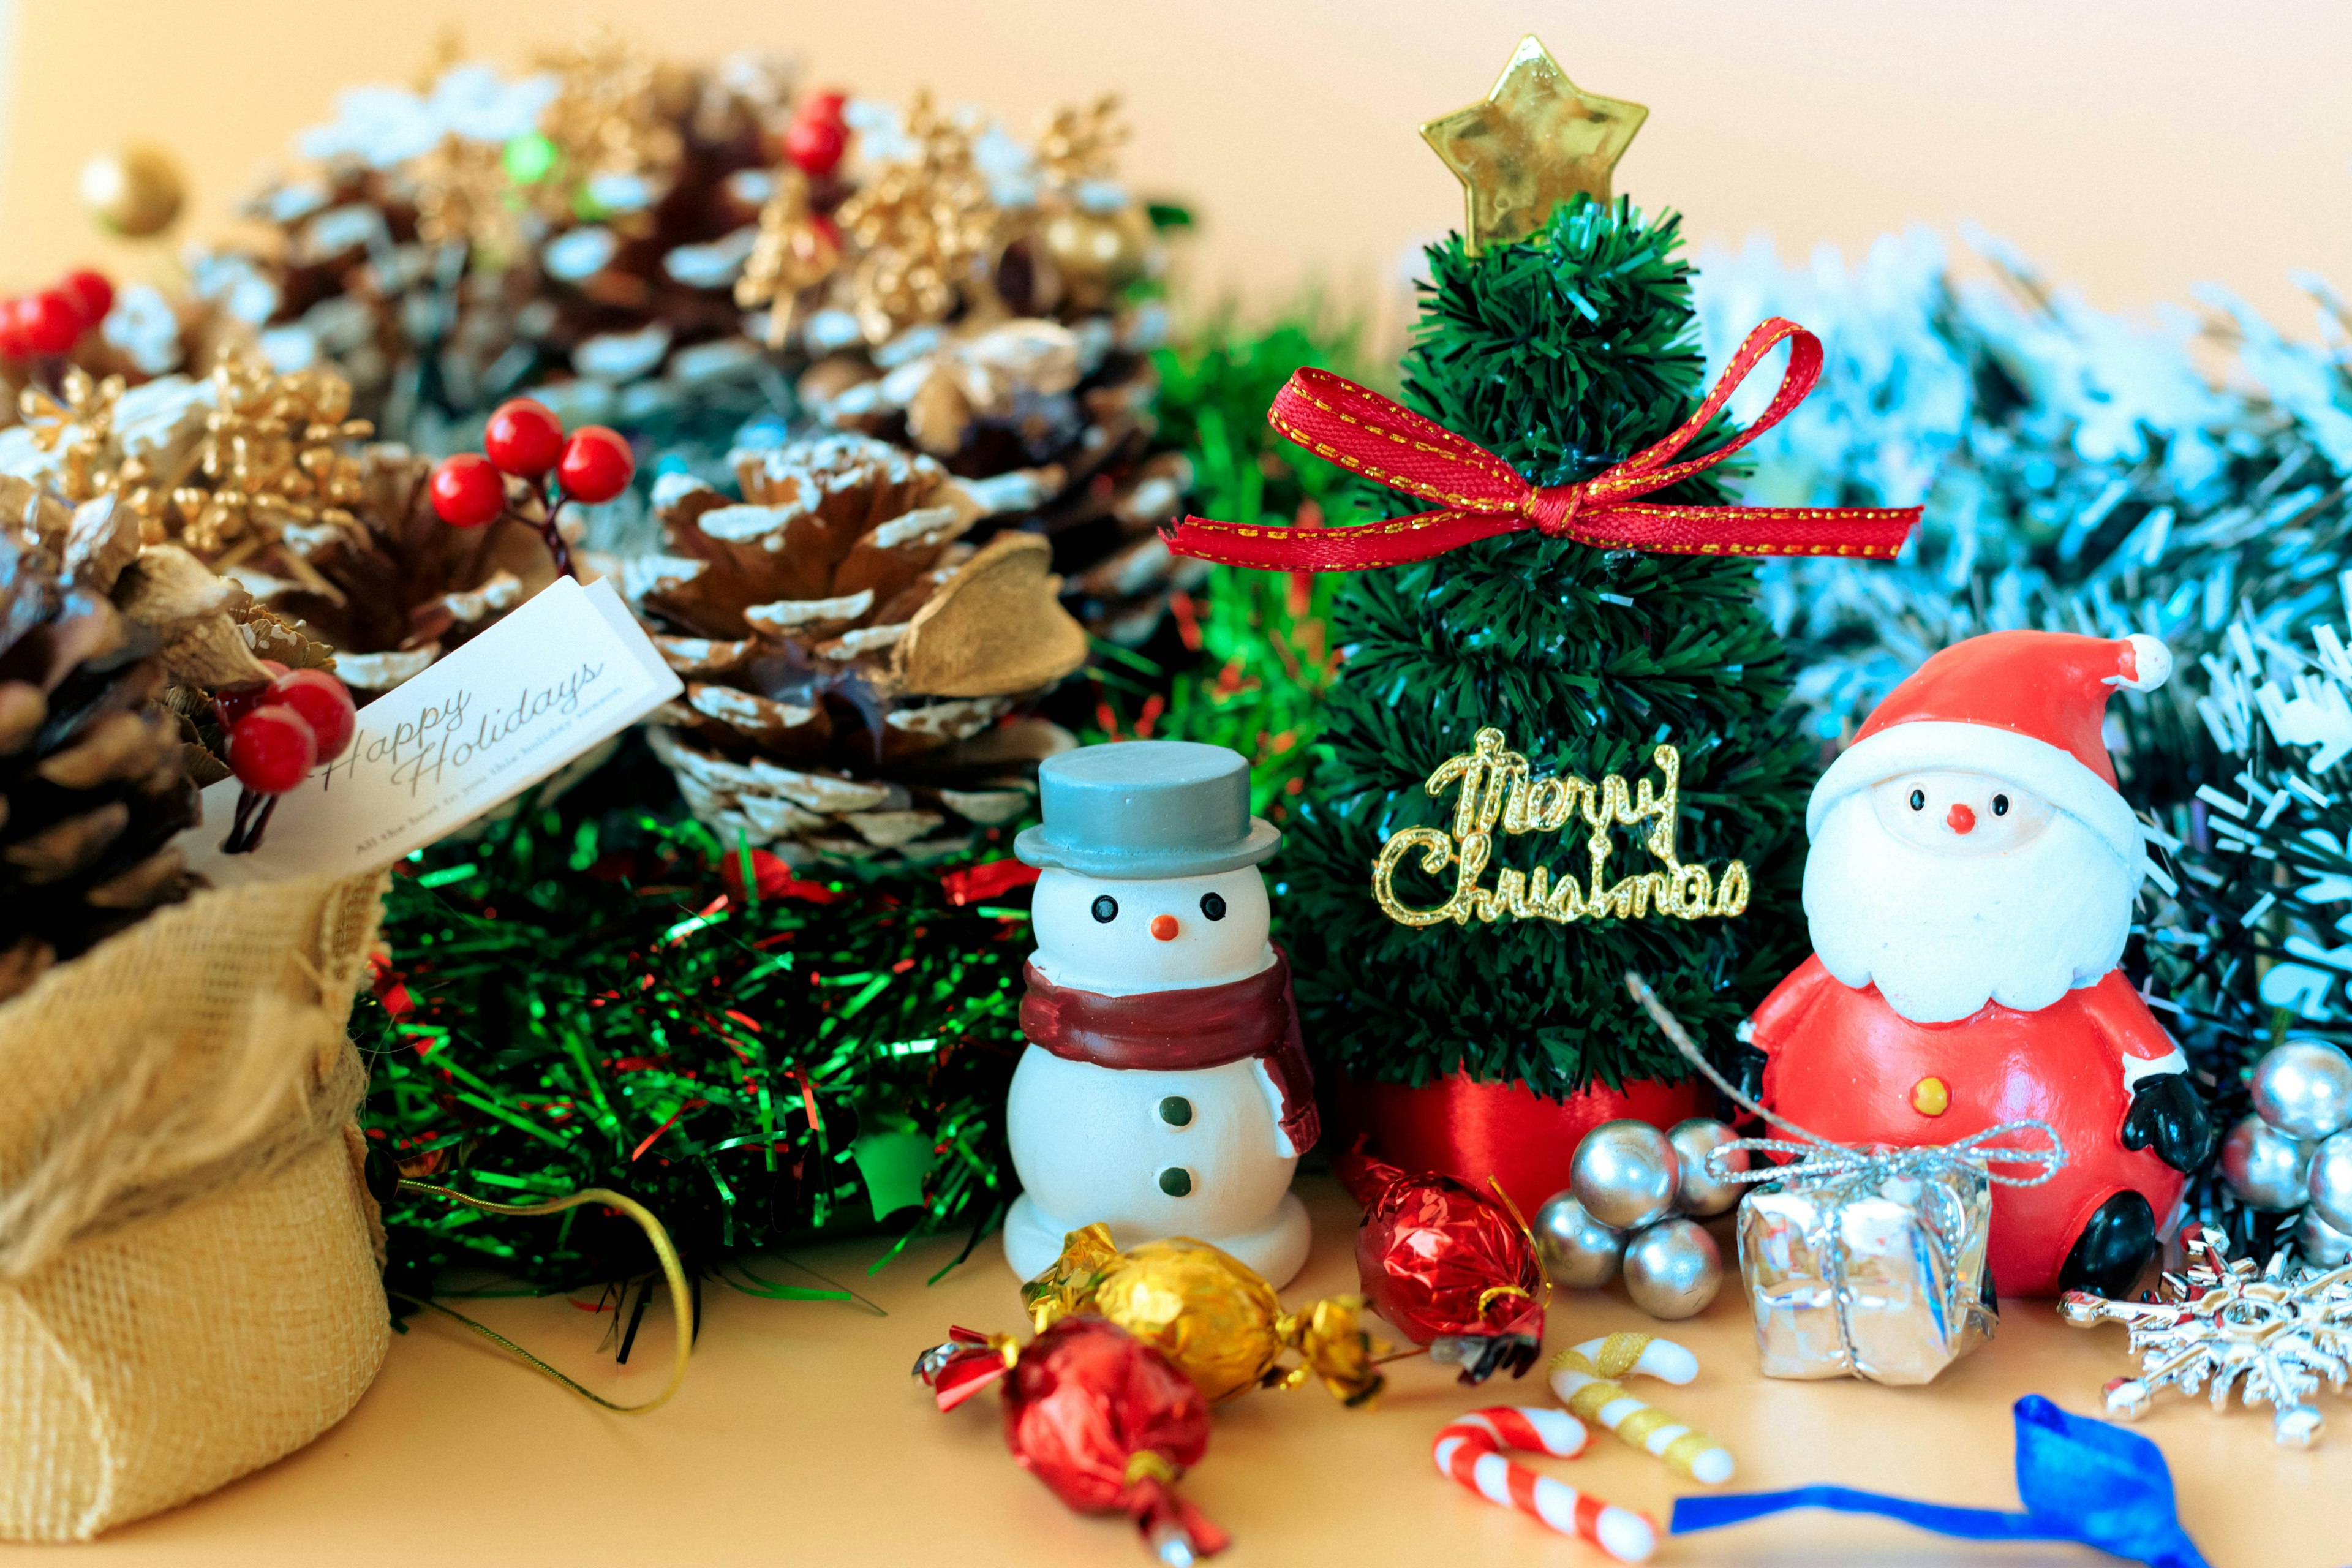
(190, 1280)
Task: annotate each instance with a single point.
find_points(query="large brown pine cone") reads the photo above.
(94, 779)
(854, 669)
(1071, 403)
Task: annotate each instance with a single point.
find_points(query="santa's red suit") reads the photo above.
(1842, 1063)
(1930, 1020)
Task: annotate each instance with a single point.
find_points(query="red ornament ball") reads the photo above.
(92, 293)
(467, 491)
(524, 437)
(271, 749)
(325, 704)
(49, 321)
(231, 703)
(817, 136)
(12, 331)
(596, 465)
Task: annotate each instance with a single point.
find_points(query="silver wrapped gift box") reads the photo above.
(1869, 1268)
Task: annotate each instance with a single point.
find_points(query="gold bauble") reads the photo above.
(1100, 250)
(133, 191)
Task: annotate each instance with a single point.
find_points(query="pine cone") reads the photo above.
(850, 660)
(1068, 404)
(93, 776)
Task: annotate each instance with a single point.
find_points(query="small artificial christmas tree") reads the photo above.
(1559, 336)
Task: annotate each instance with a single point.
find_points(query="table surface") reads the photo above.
(799, 1438)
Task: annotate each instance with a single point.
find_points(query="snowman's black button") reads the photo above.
(1176, 1111)
(1176, 1180)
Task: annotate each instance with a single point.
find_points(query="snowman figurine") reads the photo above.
(1164, 1090)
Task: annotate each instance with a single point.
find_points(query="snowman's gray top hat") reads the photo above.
(1147, 808)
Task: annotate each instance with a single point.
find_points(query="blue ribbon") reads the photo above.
(2080, 1479)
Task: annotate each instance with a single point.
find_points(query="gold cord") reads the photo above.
(680, 1300)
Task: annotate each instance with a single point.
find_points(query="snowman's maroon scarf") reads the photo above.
(1178, 1031)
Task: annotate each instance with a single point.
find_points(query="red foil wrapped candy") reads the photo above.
(1449, 1267)
(1099, 1416)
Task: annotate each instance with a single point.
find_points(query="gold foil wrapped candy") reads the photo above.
(1211, 1314)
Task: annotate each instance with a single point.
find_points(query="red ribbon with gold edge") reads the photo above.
(1482, 496)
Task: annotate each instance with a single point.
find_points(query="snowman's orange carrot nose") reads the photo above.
(1960, 819)
(1164, 927)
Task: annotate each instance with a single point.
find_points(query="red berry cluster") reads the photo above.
(816, 136)
(53, 320)
(525, 441)
(277, 733)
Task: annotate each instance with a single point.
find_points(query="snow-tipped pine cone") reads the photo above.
(855, 671)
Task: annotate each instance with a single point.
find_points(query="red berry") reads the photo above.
(596, 465)
(92, 293)
(467, 491)
(816, 138)
(325, 704)
(12, 331)
(231, 703)
(49, 321)
(524, 438)
(271, 749)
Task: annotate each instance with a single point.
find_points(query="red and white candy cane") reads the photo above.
(1470, 1450)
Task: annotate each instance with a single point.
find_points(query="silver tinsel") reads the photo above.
(2081, 472)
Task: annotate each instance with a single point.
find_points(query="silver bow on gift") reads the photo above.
(1866, 1262)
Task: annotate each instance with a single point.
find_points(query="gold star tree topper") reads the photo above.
(1529, 144)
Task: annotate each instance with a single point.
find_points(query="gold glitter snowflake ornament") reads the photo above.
(2274, 1334)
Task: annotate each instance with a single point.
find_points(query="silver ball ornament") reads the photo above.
(2265, 1167)
(1577, 1250)
(2321, 1244)
(2303, 1089)
(1624, 1173)
(2328, 1187)
(1672, 1269)
(1698, 1193)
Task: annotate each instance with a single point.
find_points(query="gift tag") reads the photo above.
(554, 678)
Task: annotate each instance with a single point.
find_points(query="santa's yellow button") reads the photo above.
(1929, 1097)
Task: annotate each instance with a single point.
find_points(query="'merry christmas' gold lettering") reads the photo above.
(1495, 792)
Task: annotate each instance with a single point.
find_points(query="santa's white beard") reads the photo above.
(1941, 935)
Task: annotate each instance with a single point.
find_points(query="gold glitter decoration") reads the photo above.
(1211, 1314)
(1497, 793)
(273, 450)
(918, 228)
(1531, 144)
(608, 119)
(78, 430)
(795, 250)
(1077, 143)
(463, 195)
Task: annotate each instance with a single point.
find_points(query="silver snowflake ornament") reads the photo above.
(2275, 1334)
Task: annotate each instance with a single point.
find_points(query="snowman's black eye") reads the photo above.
(2001, 805)
(1918, 801)
(1106, 909)
(1212, 906)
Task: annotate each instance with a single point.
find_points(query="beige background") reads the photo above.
(800, 1438)
(2137, 147)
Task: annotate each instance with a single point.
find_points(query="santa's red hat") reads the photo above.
(2025, 707)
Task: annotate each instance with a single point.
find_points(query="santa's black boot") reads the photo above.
(2115, 1247)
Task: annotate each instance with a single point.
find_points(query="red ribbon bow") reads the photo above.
(1483, 496)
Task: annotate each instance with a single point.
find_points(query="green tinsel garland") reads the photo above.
(579, 998)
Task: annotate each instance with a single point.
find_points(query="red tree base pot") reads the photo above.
(1470, 1131)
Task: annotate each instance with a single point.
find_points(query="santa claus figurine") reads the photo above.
(1970, 889)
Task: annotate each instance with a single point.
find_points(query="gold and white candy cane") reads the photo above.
(1585, 1378)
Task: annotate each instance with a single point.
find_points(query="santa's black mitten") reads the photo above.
(2168, 1112)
